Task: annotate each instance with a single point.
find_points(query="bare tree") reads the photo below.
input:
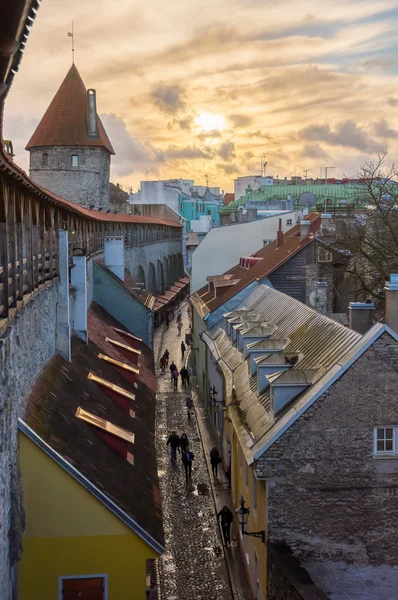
(369, 240)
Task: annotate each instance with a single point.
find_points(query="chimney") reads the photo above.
(361, 316)
(279, 235)
(391, 290)
(114, 255)
(92, 114)
(304, 229)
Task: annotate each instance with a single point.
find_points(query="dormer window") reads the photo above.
(44, 159)
(75, 160)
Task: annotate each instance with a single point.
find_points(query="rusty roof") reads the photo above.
(52, 406)
(272, 255)
(65, 121)
(228, 198)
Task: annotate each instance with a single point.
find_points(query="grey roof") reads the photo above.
(319, 341)
(267, 345)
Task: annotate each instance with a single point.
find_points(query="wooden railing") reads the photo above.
(29, 227)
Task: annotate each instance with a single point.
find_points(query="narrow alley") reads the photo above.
(193, 566)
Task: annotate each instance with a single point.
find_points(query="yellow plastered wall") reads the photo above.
(69, 532)
(257, 518)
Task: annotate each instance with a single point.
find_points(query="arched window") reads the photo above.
(44, 159)
(75, 160)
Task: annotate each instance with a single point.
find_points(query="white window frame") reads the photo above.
(394, 450)
(71, 160)
(104, 576)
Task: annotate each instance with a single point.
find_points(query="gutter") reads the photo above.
(80, 478)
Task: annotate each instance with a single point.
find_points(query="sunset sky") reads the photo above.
(191, 88)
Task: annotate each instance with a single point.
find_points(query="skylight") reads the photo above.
(119, 364)
(120, 345)
(105, 425)
(111, 386)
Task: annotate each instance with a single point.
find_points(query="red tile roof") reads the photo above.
(228, 198)
(65, 121)
(272, 255)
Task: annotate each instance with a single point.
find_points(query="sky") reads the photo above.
(207, 87)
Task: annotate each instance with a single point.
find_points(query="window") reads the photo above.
(384, 440)
(75, 160)
(44, 159)
(289, 221)
(94, 587)
(254, 490)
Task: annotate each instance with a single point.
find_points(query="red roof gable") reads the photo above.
(272, 256)
(228, 198)
(65, 121)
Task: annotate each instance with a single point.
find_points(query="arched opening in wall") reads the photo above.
(44, 159)
(160, 278)
(141, 277)
(166, 272)
(152, 279)
(180, 260)
(171, 270)
(175, 268)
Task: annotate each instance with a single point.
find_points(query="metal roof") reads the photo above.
(319, 341)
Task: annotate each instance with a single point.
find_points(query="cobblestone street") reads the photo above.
(193, 566)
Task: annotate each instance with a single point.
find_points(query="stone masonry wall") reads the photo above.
(87, 184)
(144, 254)
(24, 350)
(329, 499)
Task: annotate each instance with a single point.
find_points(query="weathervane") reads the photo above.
(70, 34)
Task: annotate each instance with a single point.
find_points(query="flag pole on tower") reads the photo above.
(70, 34)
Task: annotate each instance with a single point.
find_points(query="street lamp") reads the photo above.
(243, 516)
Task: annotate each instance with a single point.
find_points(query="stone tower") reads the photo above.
(70, 153)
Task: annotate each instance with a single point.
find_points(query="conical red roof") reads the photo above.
(65, 120)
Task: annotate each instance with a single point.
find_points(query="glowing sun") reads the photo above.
(208, 122)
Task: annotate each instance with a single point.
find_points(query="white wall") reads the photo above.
(201, 225)
(222, 247)
(255, 181)
(156, 192)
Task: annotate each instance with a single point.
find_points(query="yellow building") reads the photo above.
(89, 476)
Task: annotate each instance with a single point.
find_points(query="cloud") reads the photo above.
(189, 152)
(227, 150)
(383, 130)
(228, 169)
(314, 151)
(392, 102)
(169, 98)
(131, 154)
(346, 134)
(214, 133)
(240, 120)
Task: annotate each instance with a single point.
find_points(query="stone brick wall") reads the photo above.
(329, 499)
(287, 580)
(87, 184)
(144, 254)
(24, 350)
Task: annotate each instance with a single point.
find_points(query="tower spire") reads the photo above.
(71, 34)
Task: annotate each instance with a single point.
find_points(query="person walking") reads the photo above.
(187, 458)
(179, 327)
(184, 443)
(163, 363)
(174, 443)
(172, 369)
(184, 376)
(175, 375)
(166, 355)
(182, 350)
(215, 460)
(226, 517)
(188, 406)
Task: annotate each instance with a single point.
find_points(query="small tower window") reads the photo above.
(44, 159)
(75, 160)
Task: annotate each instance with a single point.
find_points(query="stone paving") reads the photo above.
(193, 566)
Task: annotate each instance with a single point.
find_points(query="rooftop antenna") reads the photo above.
(207, 180)
(306, 173)
(71, 34)
(146, 171)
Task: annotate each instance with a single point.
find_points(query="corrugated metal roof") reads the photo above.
(319, 342)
